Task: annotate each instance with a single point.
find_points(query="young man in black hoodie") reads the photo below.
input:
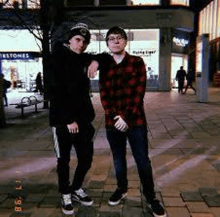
(71, 114)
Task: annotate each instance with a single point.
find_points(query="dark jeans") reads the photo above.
(83, 144)
(180, 86)
(137, 137)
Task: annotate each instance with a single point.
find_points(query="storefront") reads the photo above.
(20, 58)
(209, 23)
(141, 42)
(180, 43)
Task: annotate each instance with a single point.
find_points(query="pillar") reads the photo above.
(165, 60)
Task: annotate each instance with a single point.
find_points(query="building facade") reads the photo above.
(209, 23)
(160, 31)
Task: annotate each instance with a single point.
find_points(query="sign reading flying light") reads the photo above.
(180, 42)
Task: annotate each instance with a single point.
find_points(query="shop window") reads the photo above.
(21, 4)
(180, 2)
(144, 2)
(141, 42)
(33, 3)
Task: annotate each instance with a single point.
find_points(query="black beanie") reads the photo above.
(80, 29)
(116, 30)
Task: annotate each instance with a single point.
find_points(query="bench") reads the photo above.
(26, 102)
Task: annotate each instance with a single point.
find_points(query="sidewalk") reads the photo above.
(184, 140)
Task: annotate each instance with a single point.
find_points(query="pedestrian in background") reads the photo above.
(180, 77)
(71, 114)
(189, 78)
(6, 85)
(39, 85)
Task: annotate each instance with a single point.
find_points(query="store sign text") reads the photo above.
(142, 52)
(180, 42)
(16, 56)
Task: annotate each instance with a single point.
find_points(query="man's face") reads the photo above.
(116, 43)
(78, 44)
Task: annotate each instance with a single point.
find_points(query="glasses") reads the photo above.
(112, 39)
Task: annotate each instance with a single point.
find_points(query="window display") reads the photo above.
(141, 42)
(145, 2)
(180, 2)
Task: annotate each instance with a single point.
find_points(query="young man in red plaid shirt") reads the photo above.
(122, 88)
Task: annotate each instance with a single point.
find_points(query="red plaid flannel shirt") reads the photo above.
(122, 89)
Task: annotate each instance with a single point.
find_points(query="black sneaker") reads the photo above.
(82, 197)
(66, 204)
(117, 196)
(157, 209)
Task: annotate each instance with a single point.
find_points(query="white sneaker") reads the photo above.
(82, 197)
(66, 204)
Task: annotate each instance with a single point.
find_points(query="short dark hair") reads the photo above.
(116, 30)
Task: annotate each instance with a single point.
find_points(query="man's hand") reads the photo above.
(73, 128)
(92, 69)
(120, 124)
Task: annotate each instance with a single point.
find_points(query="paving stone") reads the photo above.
(3, 197)
(50, 202)
(106, 195)
(109, 214)
(132, 212)
(134, 192)
(39, 189)
(192, 196)
(46, 212)
(173, 201)
(96, 184)
(5, 214)
(53, 193)
(133, 202)
(201, 215)
(177, 212)
(9, 203)
(4, 189)
(110, 188)
(216, 165)
(19, 193)
(97, 201)
(213, 201)
(95, 192)
(197, 207)
(215, 211)
(34, 198)
(170, 192)
(87, 211)
(109, 209)
(208, 191)
(20, 214)
(98, 178)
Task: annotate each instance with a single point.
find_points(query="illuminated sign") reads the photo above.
(18, 55)
(180, 41)
(144, 52)
(199, 48)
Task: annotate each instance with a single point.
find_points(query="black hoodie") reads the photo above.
(69, 87)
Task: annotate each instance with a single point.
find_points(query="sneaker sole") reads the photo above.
(82, 202)
(155, 215)
(67, 212)
(117, 202)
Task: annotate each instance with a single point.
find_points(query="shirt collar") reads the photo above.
(123, 62)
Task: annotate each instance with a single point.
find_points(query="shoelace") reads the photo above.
(67, 199)
(81, 193)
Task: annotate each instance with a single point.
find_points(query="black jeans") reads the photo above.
(83, 144)
(137, 137)
(180, 86)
